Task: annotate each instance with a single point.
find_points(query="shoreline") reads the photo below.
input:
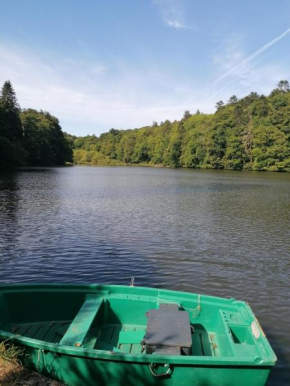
(13, 374)
(158, 166)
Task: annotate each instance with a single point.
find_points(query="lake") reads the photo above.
(220, 233)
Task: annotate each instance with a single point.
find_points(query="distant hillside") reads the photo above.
(252, 133)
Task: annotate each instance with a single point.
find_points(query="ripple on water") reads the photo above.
(214, 232)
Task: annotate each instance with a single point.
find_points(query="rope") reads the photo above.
(38, 358)
(194, 311)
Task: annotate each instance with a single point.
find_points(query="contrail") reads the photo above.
(253, 56)
(238, 76)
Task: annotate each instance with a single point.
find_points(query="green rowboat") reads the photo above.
(117, 335)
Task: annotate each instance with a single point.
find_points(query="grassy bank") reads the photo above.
(13, 374)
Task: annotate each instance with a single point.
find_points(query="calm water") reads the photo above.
(213, 232)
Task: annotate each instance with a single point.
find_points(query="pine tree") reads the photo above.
(11, 126)
(8, 97)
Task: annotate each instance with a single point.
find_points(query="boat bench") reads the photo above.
(78, 329)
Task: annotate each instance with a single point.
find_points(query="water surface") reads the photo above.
(213, 232)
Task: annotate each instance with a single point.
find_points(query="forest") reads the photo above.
(252, 133)
(29, 137)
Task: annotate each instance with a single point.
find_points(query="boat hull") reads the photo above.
(77, 371)
(107, 348)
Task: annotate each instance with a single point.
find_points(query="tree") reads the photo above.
(44, 140)
(114, 132)
(11, 126)
(173, 151)
(8, 97)
(250, 133)
(186, 114)
(11, 133)
(219, 105)
(235, 154)
(233, 100)
(248, 139)
(126, 148)
(283, 86)
(261, 107)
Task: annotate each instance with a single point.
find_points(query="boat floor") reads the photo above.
(112, 337)
(51, 332)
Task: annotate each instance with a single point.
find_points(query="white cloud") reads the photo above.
(93, 97)
(173, 13)
(176, 24)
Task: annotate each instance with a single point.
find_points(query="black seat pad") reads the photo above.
(167, 327)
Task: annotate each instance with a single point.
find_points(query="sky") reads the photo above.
(102, 64)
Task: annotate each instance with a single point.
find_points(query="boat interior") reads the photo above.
(119, 322)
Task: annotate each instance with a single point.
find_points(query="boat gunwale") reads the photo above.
(125, 357)
(106, 289)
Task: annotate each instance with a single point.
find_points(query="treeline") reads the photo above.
(29, 137)
(252, 133)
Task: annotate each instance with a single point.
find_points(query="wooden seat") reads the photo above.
(78, 329)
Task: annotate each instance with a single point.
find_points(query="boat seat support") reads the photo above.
(78, 329)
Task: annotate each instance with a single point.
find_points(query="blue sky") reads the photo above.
(124, 63)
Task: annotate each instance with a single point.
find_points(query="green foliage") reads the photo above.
(12, 152)
(283, 86)
(186, 114)
(10, 123)
(44, 140)
(233, 100)
(8, 97)
(85, 157)
(29, 137)
(252, 133)
(219, 105)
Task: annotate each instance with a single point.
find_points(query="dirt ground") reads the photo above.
(15, 375)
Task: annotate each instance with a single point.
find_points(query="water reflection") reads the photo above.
(9, 199)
